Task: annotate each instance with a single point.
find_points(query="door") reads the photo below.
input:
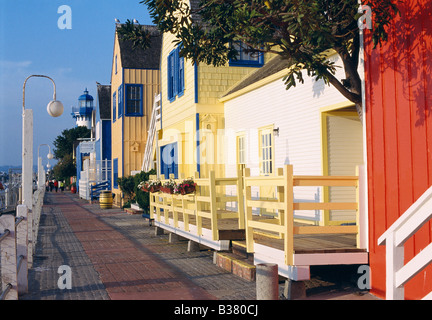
(169, 160)
(344, 154)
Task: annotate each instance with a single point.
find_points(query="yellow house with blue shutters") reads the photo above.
(192, 118)
(135, 79)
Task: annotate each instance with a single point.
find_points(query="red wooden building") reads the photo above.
(398, 78)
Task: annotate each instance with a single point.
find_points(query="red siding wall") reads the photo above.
(399, 134)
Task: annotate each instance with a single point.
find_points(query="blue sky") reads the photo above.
(32, 43)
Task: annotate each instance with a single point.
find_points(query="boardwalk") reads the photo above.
(114, 256)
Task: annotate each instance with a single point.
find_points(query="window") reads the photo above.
(115, 62)
(241, 149)
(115, 173)
(120, 101)
(175, 76)
(114, 103)
(134, 100)
(266, 151)
(245, 58)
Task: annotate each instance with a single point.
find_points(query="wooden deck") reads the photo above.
(227, 228)
(325, 243)
(281, 239)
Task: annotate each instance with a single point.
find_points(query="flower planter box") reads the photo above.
(167, 190)
(187, 190)
(155, 188)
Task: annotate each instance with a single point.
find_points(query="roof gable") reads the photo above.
(138, 57)
(104, 101)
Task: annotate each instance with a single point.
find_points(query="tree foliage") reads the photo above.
(64, 143)
(63, 151)
(65, 168)
(300, 31)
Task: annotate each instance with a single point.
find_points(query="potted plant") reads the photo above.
(187, 186)
(154, 185)
(169, 186)
(144, 186)
(150, 186)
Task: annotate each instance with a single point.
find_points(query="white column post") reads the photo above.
(27, 174)
(22, 244)
(39, 172)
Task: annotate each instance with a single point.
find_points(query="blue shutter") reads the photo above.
(115, 173)
(180, 61)
(170, 67)
(176, 68)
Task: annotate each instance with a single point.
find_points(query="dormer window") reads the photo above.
(246, 58)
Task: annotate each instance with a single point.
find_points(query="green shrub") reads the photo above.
(127, 186)
(141, 197)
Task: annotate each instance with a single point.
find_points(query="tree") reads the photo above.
(64, 143)
(300, 31)
(65, 168)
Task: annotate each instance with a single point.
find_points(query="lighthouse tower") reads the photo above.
(83, 113)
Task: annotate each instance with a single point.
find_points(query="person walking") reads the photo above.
(55, 185)
(51, 185)
(62, 184)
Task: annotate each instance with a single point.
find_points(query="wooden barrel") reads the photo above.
(105, 199)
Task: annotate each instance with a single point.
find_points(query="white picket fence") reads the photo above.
(94, 172)
(16, 250)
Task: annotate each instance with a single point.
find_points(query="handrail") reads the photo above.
(4, 234)
(6, 291)
(283, 223)
(397, 272)
(200, 205)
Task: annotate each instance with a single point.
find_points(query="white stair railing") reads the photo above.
(155, 119)
(398, 273)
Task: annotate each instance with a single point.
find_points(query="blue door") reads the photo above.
(169, 160)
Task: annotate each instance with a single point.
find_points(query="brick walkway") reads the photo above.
(115, 256)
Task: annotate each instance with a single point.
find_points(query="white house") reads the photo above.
(311, 126)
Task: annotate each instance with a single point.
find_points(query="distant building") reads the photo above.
(135, 80)
(83, 113)
(103, 123)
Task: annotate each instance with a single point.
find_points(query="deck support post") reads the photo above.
(173, 238)
(294, 289)
(267, 281)
(193, 246)
(159, 231)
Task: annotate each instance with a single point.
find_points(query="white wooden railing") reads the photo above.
(18, 236)
(397, 272)
(14, 252)
(94, 172)
(155, 119)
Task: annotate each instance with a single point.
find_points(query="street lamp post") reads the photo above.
(55, 109)
(41, 171)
